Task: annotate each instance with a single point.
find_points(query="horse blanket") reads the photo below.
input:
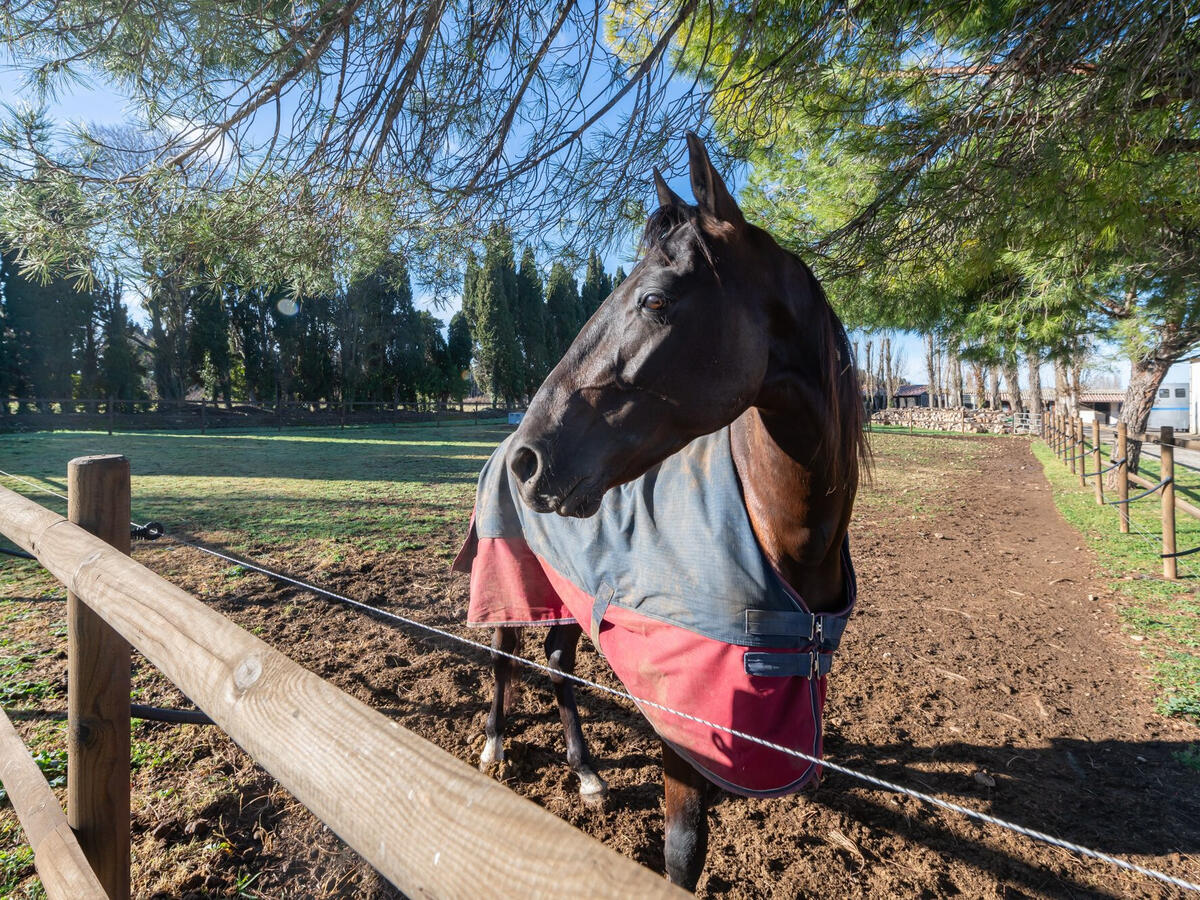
(669, 581)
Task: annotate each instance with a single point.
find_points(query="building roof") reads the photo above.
(912, 390)
(1101, 396)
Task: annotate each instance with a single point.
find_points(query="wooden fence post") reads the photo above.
(1123, 475)
(1080, 433)
(111, 413)
(1166, 447)
(1098, 459)
(1077, 437)
(203, 416)
(98, 676)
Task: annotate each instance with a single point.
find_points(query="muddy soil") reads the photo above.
(985, 664)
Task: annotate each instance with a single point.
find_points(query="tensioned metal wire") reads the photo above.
(1146, 537)
(616, 692)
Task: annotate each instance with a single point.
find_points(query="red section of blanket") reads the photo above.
(667, 665)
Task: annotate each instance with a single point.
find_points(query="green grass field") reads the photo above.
(1165, 613)
(384, 486)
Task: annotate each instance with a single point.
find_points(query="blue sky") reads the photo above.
(98, 103)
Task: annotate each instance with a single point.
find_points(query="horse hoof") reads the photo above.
(592, 789)
(493, 754)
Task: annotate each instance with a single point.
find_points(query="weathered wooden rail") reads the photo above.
(430, 823)
(1065, 435)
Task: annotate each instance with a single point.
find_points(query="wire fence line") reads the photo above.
(1147, 538)
(866, 778)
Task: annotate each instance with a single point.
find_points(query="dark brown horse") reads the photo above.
(716, 326)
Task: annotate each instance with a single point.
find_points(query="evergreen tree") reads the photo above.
(47, 323)
(315, 358)
(498, 360)
(459, 344)
(595, 289)
(409, 341)
(530, 315)
(209, 341)
(562, 312)
(121, 371)
(170, 330)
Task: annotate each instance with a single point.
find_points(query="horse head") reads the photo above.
(678, 350)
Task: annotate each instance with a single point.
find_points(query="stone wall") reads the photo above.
(978, 421)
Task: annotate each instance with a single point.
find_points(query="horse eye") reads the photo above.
(654, 302)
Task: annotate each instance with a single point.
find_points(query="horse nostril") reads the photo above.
(524, 463)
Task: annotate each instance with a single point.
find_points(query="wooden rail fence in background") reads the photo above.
(1065, 435)
(430, 823)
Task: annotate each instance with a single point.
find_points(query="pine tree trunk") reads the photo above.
(887, 372)
(1146, 373)
(977, 386)
(929, 368)
(956, 380)
(869, 379)
(1012, 382)
(1063, 401)
(1035, 383)
(994, 387)
(1144, 378)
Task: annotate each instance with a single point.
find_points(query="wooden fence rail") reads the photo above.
(431, 824)
(64, 870)
(1065, 436)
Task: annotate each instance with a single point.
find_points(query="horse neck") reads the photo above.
(798, 488)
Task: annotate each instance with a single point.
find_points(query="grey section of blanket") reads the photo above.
(675, 545)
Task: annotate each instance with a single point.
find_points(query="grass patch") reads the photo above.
(392, 484)
(1165, 613)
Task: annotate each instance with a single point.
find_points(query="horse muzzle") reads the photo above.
(579, 497)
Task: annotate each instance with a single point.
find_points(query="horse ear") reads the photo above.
(666, 196)
(711, 194)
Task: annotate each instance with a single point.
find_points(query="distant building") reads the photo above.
(912, 395)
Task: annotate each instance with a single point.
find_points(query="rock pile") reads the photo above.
(972, 421)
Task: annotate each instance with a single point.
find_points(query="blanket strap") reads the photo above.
(823, 628)
(784, 665)
(599, 608)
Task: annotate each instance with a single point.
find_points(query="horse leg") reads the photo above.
(561, 644)
(686, 820)
(505, 640)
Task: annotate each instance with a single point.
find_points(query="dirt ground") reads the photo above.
(985, 664)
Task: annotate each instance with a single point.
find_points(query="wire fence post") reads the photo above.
(98, 684)
(1123, 475)
(1058, 435)
(1098, 458)
(1167, 448)
(1077, 439)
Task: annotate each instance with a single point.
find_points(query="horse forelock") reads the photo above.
(670, 224)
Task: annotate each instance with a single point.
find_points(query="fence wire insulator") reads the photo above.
(1115, 464)
(1145, 493)
(151, 531)
(1179, 553)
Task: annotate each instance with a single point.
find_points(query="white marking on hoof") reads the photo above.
(493, 752)
(592, 789)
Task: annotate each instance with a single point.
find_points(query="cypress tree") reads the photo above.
(562, 312)
(595, 289)
(459, 345)
(498, 359)
(530, 315)
(121, 371)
